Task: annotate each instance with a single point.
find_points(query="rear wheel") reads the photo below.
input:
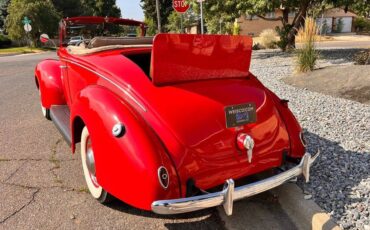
(88, 165)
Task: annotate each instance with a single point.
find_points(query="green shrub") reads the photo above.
(256, 46)
(307, 55)
(268, 38)
(283, 34)
(5, 41)
(325, 27)
(362, 24)
(339, 26)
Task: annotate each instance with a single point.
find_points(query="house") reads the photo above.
(332, 20)
(335, 20)
(253, 25)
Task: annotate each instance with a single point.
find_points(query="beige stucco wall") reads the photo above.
(256, 25)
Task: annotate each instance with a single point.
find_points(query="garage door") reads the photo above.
(347, 24)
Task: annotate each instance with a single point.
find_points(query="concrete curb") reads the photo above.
(280, 208)
(306, 214)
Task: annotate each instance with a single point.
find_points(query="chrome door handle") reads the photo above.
(63, 66)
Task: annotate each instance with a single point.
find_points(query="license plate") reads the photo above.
(237, 115)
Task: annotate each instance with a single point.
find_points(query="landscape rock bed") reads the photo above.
(340, 178)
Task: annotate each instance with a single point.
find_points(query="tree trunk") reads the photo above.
(297, 23)
(285, 19)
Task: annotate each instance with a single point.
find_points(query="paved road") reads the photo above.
(42, 186)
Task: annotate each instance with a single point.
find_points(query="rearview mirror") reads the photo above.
(44, 38)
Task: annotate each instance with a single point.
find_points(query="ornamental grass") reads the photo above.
(307, 55)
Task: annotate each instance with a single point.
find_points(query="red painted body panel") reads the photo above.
(126, 167)
(180, 126)
(187, 57)
(49, 79)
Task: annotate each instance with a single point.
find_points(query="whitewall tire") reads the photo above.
(45, 111)
(88, 166)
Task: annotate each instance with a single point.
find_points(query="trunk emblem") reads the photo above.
(246, 142)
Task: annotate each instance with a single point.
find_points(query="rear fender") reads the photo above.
(126, 166)
(49, 82)
(297, 149)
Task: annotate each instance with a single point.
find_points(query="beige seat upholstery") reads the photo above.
(78, 50)
(113, 41)
(99, 44)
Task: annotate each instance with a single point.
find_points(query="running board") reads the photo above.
(60, 115)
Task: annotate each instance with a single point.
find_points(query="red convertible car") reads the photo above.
(172, 124)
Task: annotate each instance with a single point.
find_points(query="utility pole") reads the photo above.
(201, 17)
(158, 15)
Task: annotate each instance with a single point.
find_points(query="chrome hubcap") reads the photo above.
(90, 162)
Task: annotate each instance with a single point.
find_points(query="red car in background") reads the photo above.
(165, 122)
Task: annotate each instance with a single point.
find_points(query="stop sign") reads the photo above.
(180, 6)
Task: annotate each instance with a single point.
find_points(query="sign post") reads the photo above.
(180, 6)
(157, 8)
(201, 16)
(27, 27)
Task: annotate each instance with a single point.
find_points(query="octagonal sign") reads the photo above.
(180, 6)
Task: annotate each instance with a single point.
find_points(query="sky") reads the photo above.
(131, 9)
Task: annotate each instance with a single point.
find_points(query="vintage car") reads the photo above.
(171, 124)
(75, 40)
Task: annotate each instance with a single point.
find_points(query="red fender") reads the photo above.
(49, 81)
(127, 166)
(297, 149)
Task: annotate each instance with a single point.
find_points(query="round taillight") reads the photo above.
(163, 177)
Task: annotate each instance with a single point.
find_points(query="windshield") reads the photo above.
(87, 32)
(86, 29)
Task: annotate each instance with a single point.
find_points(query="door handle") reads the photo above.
(63, 66)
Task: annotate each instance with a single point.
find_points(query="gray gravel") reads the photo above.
(340, 179)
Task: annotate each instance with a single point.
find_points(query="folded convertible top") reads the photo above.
(187, 57)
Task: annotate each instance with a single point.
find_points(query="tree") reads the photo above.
(101, 8)
(229, 10)
(149, 9)
(3, 12)
(151, 27)
(174, 21)
(69, 8)
(42, 13)
(236, 28)
(216, 11)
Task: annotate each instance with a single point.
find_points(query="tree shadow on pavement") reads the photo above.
(204, 219)
(337, 180)
(265, 54)
(123, 207)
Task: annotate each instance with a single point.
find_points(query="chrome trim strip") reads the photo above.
(109, 80)
(228, 195)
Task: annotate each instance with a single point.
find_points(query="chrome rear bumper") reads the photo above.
(229, 194)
